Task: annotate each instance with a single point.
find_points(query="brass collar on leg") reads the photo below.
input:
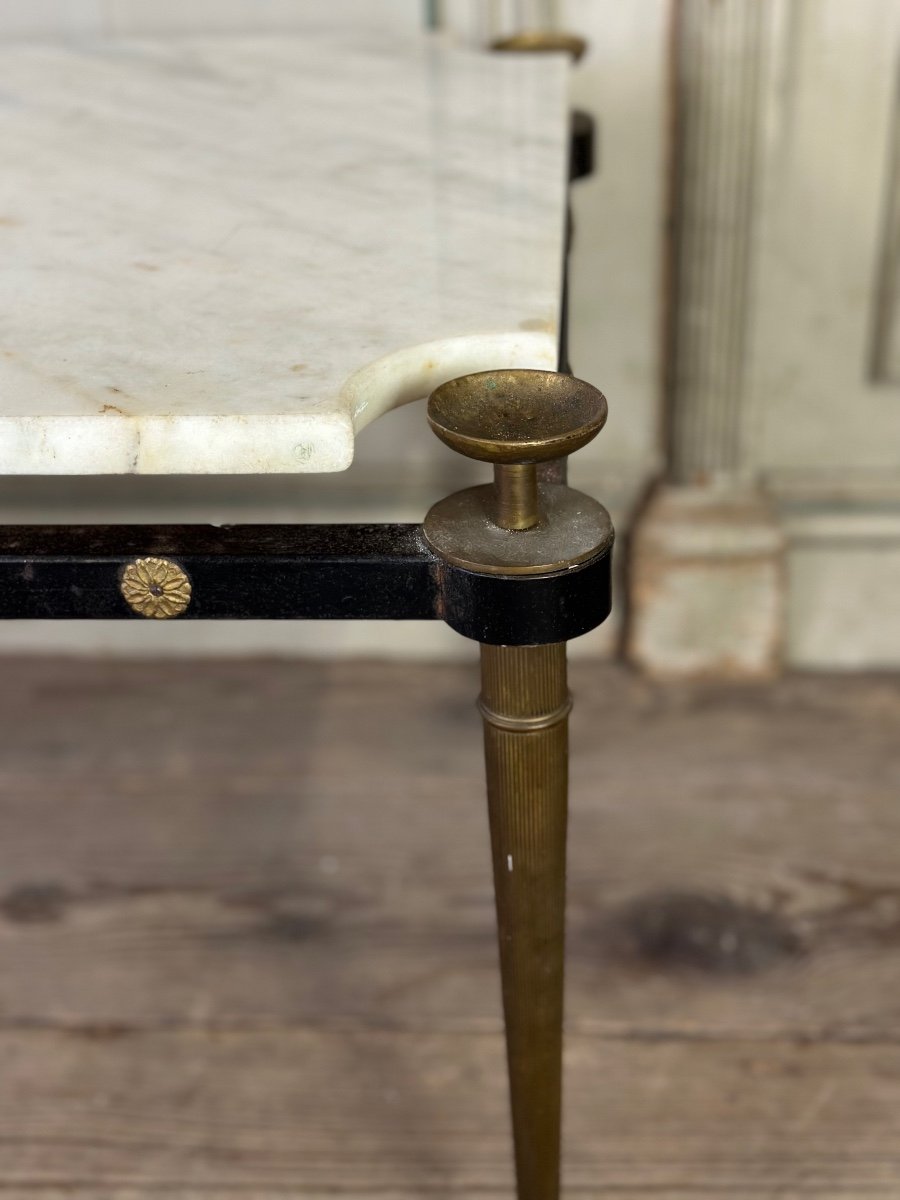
(462, 530)
(525, 724)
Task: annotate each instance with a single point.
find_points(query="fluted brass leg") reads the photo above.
(525, 704)
(520, 420)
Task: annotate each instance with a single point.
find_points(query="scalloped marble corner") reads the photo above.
(230, 255)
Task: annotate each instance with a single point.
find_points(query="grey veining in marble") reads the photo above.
(230, 254)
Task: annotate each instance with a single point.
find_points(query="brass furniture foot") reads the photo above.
(515, 420)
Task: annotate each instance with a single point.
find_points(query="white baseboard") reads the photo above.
(843, 609)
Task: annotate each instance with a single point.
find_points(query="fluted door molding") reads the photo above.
(721, 53)
(706, 577)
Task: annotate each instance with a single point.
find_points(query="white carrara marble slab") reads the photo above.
(229, 255)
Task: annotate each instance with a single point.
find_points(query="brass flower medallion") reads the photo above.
(156, 587)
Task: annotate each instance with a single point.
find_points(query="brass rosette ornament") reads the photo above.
(156, 588)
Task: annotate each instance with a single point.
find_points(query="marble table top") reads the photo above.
(229, 255)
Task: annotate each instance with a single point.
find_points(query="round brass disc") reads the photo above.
(516, 416)
(461, 529)
(543, 41)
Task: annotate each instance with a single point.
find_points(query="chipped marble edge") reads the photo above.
(264, 444)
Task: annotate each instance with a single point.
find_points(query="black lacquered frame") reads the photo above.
(296, 572)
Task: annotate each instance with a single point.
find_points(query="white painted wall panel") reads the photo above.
(826, 168)
(129, 17)
(51, 18)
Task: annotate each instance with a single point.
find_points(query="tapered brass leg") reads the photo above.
(525, 704)
(520, 420)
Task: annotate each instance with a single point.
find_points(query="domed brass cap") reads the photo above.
(516, 416)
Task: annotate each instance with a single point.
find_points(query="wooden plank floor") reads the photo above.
(247, 948)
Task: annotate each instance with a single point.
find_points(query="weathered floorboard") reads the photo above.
(238, 899)
(283, 843)
(426, 1114)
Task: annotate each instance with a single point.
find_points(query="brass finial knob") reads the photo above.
(516, 419)
(543, 41)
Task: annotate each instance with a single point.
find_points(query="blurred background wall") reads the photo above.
(733, 294)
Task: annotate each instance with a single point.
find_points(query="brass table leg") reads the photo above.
(525, 705)
(524, 525)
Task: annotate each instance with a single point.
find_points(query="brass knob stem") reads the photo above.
(516, 490)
